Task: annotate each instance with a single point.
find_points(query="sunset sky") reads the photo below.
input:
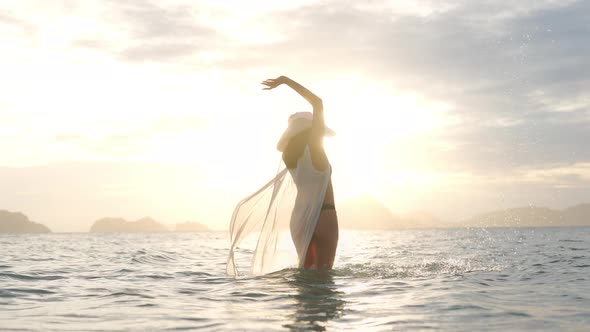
(154, 108)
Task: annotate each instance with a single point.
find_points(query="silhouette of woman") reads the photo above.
(308, 212)
(306, 160)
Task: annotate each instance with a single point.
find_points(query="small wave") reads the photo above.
(6, 294)
(518, 313)
(252, 296)
(156, 276)
(128, 293)
(33, 259)
(193, 273)
(416, 270)
(146, 305)
(463, 307)
(29, 291)
(78, 315)
(27, 277)
(144, 258)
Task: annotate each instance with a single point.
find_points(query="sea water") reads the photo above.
(505, 279)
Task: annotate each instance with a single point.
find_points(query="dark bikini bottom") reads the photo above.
(328, 206)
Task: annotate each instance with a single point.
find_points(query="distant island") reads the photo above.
(361, 213)
(143, 225)
(532, 216)
(16, 222)
(120, 225)
(366, 212)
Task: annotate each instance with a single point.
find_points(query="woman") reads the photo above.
(312, 222)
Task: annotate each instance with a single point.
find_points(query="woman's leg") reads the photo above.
(311, 256)
(325, 239)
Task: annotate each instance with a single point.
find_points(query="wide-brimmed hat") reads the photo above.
(298, 122)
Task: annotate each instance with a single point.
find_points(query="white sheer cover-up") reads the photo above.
(289, 203)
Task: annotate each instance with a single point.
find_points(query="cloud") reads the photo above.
(149, 31)
(515, 74)
(159, 33)
(11, 21)
(570, 176)
(509, 71)
(574, 175)
(127, 142)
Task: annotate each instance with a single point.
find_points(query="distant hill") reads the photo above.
(577, 215)
(366, 212)
(190, 227)
(120, 225)
(532, 216)
(16, 222)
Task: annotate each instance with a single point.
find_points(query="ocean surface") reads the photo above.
(505, 279)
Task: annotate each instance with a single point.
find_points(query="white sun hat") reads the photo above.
(298, 122)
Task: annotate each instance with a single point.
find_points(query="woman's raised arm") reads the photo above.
(315, 101)
(317, 125)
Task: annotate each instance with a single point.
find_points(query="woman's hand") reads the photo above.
(273, 83)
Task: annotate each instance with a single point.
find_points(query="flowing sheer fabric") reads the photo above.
(289, 204)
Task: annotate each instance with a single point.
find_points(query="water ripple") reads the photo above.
(495, 279)
(18, 276)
